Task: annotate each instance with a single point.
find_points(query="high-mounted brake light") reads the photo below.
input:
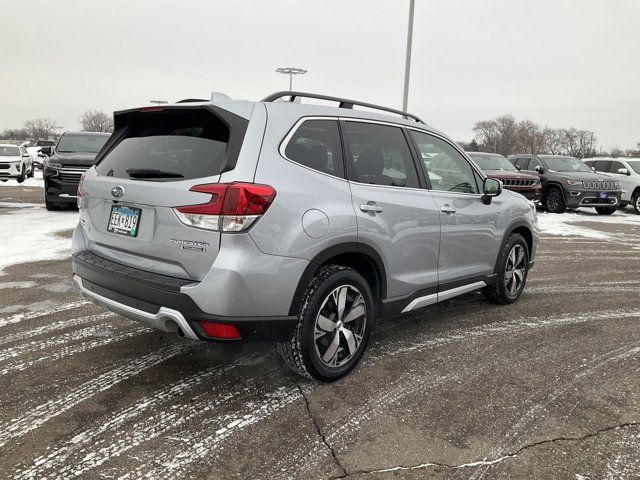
(233, 207)
(151, 109)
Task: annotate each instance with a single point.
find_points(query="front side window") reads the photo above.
(380, 155)
(523, 163)
(533, 163)
(447, 169)
(316, 144)
(615, 166)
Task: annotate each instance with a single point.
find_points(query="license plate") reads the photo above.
(603, 194)
(124, 220)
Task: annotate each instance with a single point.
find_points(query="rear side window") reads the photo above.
(316, 144)
(380, 155)
(602, 166)
(170, 145)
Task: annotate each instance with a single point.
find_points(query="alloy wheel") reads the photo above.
(515, 270)
(340, 326)
(553, 200)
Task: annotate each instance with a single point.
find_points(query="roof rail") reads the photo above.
(192, 100)
(343, 103)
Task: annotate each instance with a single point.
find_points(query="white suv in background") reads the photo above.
(15, 163)
(627, 172)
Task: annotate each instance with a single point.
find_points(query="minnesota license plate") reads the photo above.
(124, 220)
(603, 194)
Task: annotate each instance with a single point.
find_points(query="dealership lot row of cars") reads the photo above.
(369, 215)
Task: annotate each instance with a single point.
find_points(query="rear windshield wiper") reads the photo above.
(151, 173)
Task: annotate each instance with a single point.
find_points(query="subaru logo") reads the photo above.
(117, 191)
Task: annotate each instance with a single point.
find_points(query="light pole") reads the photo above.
(407, 62)
(291, 71)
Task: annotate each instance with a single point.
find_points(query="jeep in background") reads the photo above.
(497, 166)
(569, 183)
(67, 160)
(626, 171)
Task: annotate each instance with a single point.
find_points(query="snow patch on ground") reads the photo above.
(28, 233)
(565, 224)
(36, 181)
(554, 224)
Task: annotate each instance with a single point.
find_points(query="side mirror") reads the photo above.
(25, 155)
(491, 188)
(539, 169)
(46, 150)
(623, 171)
(518, 167)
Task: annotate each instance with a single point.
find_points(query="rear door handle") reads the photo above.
(448, 210)
(371, 208)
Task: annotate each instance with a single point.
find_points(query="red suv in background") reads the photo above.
(497, 166)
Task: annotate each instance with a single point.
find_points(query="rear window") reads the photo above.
(170, 145)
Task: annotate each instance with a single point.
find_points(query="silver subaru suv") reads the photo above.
(302, 223)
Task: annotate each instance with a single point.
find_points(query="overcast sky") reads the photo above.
(562, 63)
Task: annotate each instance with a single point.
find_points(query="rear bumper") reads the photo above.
(156, 300)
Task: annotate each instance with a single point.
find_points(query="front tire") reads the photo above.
(555, 201)
(20, 178)
(635, 202)
(606, 210)
(512, 268)
(334, 324)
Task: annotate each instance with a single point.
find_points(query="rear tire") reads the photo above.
(512, 268)
(606, 210)
(334, 324)
(555, 201)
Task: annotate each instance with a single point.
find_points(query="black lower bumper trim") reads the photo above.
(149, 292)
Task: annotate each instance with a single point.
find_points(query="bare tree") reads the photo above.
(96, 121)
(531, 138)
(499, 135)
(40, 128)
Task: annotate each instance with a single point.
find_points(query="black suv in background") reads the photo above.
(570, 183)
(73, 155)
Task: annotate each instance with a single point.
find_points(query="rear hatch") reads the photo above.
(148, 168)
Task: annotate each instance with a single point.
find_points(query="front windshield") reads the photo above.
(635, 165)
(566, 164)
(81, 143)
(9, 151)
(493, 162)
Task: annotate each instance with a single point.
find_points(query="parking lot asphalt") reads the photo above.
(545, 388)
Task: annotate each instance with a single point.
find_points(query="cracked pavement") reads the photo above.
(545, 388)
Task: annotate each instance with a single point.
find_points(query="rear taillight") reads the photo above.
(233, 207)
(222, 331)
(80, 192)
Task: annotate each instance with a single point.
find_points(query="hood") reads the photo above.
(500, 174)
(15, 158)
(582, 175)
(79, 159)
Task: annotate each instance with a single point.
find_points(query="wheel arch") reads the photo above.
(362, 258)
(520, 227)
(548, 186)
